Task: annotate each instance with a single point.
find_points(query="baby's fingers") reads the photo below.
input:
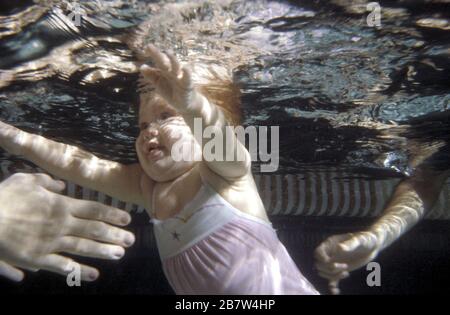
(174, 65)
(151, 74)
(186, 79)
(161, 60)
(148, 71)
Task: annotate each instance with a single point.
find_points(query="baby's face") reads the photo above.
(161, 126)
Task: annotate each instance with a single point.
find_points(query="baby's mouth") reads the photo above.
(155, 151)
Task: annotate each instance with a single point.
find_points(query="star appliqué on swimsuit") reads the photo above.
(176, 236)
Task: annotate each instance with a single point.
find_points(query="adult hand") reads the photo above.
(340, 254)
(37, 223)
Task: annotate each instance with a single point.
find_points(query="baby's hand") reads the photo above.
(340, 254)
(170, 80)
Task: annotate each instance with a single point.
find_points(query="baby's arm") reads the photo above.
(173, 83)
(74, 164)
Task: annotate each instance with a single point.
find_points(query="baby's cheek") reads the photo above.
(173, 133)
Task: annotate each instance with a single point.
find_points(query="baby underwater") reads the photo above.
(211, 227)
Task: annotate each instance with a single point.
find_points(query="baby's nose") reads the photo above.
(151, 132)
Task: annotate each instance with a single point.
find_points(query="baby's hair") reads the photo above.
(227, 96)
(215, 83)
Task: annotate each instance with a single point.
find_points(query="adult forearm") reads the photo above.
(404, 210)
(412, 199)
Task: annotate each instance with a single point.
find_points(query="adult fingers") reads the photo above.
(88, 248)
(91, 210)
(329, 248)
(331, 267)
(333, 286)
(11, 272)
(321, 253)
(65, 266)
(334, 277)
(99, 231)
(49, 183)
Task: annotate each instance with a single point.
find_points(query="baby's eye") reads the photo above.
(143, 126)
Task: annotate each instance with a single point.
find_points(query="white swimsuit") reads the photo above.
(210, 247)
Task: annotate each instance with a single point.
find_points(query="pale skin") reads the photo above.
(163, 121)
(37, 225)
(173, 184)
(340, 254)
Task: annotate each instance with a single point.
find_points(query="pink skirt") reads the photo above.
(241, 257)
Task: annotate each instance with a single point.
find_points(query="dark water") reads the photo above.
(318, 70)
(337, 87)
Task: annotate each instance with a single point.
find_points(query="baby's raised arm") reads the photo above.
(74, 164)
(174, 83)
